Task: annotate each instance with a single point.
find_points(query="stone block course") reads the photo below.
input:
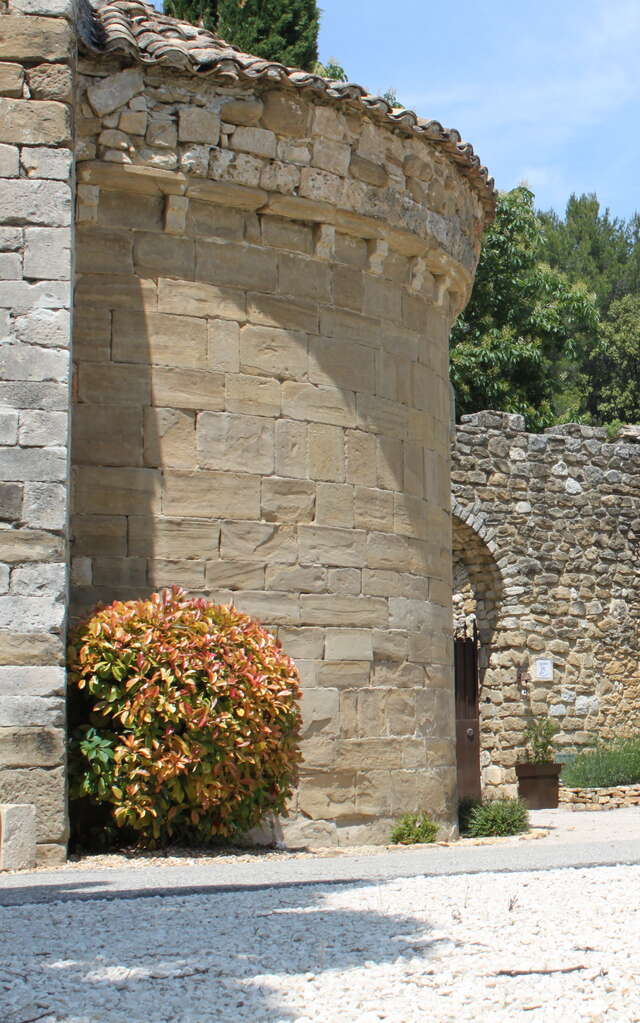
(34, 39)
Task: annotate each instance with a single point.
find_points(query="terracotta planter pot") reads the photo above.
(538, 784)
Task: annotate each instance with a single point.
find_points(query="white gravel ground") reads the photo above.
(559, 945)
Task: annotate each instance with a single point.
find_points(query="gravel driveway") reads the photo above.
(556, 945)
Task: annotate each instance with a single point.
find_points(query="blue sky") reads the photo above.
(547, 92)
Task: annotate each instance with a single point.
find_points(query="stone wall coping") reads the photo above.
(135, 29)
(626, 441)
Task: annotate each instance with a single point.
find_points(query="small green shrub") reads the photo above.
(465, 806)
(498, 817)
(184, 722)
(538, 738)
(413, 828)
(615, 763)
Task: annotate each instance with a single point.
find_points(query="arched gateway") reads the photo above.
(546, 538)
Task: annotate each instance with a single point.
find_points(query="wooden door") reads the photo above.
(467, 716)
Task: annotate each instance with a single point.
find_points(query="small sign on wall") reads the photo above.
(543, 669)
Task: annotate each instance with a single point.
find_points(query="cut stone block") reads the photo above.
(17, 836)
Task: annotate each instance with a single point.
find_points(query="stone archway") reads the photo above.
(478, 597)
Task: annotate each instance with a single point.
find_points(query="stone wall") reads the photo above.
(599, 799)
(546, 543)
(265, 291)
(37, 46)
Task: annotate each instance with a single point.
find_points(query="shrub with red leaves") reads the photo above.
(186, 719)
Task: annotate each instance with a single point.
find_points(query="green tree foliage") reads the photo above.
(613, 368)
(589, 245)
(512, 346)
(198, 12)
(604, 252)
(332, 69)
(279, 30)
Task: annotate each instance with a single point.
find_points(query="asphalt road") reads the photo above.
(158, 880)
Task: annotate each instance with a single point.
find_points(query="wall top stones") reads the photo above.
(137, 30)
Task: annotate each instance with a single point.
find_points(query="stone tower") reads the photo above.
(267, 268)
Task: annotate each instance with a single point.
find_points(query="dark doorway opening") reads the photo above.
(467, 715)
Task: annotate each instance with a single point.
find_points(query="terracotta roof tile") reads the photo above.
(135, 28)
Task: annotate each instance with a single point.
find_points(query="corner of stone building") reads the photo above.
(37, 60)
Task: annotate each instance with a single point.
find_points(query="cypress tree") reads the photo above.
(198, 12)
(280, 30)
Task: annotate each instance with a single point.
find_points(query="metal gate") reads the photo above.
(467, 715)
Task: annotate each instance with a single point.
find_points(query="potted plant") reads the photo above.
(538, 776)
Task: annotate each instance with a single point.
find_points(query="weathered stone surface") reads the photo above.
(49, 82)
(35, 202)
(11, 80)
(44, 789)
(151, 339)
(187, 388)
(326, 452)
(30, 648)
(240, 442)
(29, 545)
(258, 541)
(367, 170)
(44, 162)
(291, 448)
(34, 38)
(114, 91)
(326, 546)
(288, 500)
(10, 501)
(31, 747)
(173, 539)
(116, 491)
(254, 140)
(198, 125)
(17, 836)
(47, 252)
(285, 114)
(212, 495)
(169, 438)
(190, 299)
(237, 111)
(34, 122)
(107, 435)
(268, 352)
(45, 505)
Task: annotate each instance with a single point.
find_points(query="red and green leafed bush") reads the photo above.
(184, 719)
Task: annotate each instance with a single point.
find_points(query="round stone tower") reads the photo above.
(269, 264)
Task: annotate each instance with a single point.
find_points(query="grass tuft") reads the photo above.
(413, 828)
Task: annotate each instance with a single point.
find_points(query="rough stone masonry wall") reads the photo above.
(599, 799)
(263, 303)
(36, 58)
(546, 544)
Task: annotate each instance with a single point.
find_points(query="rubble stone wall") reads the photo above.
(546, 545)
(37, 46)
(265, 289)
(599, 799)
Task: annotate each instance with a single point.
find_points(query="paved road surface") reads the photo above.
(573, 840)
